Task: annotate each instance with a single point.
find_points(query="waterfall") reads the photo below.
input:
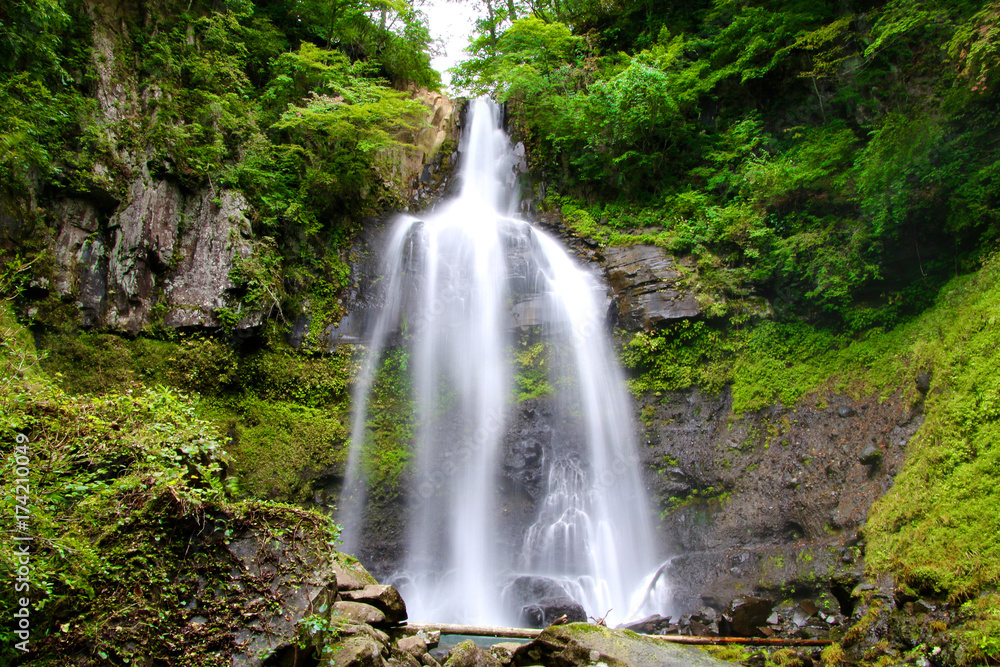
(461, 284)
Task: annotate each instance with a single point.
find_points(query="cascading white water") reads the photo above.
(450, 291)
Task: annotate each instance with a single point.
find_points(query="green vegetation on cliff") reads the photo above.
(841, 159)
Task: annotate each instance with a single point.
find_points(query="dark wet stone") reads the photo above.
(547, 610)
(803, 612)
(649, 625)
(923, 383)
(648, 287)
(846, 411)
(870, 455)
(745, 615)
(699, 629)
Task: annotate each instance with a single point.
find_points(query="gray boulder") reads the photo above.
(547, 610)
(384, 598)
(357, 651)
(358, 612)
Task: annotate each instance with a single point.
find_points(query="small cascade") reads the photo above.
(459, 282)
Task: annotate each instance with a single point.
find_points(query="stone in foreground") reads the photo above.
(384, 598)
(586, 644)
(467, 654)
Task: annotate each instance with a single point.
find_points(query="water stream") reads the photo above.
(463, 283)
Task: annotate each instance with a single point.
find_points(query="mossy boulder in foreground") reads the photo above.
(585, 644)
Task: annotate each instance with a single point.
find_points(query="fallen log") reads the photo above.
(476, 630)
(531, 633)
(746, 641)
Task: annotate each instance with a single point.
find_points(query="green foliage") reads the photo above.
(531, 371)
(100, 363)
(765, 363)
(43, 113)
(685, 354)
(284, 411)
(975, 49)
(390, 33)
(315, 381)
(344, 134)
(259, 277)
(93, 461)
(130, 493)
(795, 150)
(299, 105)
(981, 637)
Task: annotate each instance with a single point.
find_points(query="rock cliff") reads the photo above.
(140, 246)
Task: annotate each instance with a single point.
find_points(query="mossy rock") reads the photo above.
(467, 654)
(584, 644)
(351, 575)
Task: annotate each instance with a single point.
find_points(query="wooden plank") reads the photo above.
(746, 641)
(531, 633)
(477, 630)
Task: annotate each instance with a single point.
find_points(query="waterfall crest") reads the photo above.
(461, 282)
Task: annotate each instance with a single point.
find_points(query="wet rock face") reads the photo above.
(262, 558)
(142, 247)
(143, 257)
(769, 505)
(647, 286)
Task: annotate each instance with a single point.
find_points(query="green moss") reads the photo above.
(785, 657)
(390, 425)
(279, 448)
(95, 363)
(728, 652)
(858, 631)
(944, 501)
(286, 412)
(531, 370)
(312, 380)
(681, 355)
